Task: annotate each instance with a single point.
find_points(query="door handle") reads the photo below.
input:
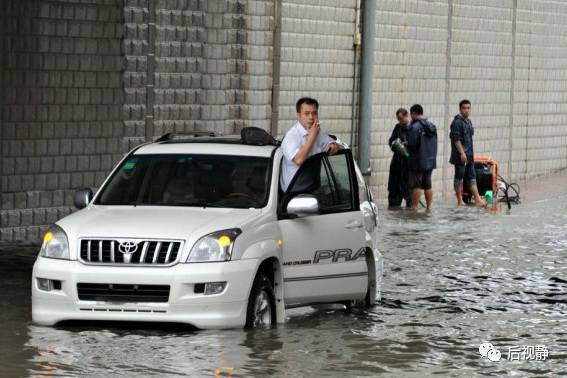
(353, 224)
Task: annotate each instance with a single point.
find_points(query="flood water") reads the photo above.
(454, 279)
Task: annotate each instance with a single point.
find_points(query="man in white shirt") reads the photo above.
(303, 140)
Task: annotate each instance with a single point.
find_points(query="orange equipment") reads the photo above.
(486, 177)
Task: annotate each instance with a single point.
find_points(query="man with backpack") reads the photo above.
(422, 146)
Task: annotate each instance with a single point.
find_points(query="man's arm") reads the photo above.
(457, 137)
(461, 150)
(305, 150)
(394, 136)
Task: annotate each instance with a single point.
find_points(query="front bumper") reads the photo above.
(224, 310)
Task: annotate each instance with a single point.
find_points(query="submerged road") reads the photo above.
(454, 279)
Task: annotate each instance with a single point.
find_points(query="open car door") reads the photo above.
(323, 250)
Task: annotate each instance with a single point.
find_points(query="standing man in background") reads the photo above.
(303, 140)
(398, 179)
(462, 153)
(422, 145)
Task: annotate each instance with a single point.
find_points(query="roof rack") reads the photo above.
(254, 136)
(194, 134)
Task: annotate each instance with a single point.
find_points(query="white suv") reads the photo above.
(197, 230)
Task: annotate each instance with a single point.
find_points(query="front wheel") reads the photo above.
(359, 303)
(261, 310)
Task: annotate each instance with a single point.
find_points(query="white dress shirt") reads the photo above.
(292, 143)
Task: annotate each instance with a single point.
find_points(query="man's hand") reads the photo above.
(312, 133)
(314, 129)
(332, 148)
(463, 158)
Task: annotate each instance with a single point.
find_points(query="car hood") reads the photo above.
(152, 222)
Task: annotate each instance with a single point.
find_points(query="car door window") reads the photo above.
(339, 171)
(329, 179)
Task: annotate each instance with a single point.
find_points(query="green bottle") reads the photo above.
(399, 147)
(488, 197)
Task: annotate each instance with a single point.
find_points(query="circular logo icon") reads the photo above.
(494, 355)
(128, 247)
(484, 348)
(490, 352)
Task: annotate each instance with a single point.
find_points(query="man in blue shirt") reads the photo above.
(462, 153)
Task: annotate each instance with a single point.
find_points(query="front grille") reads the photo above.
(123, 292)
(106, 251)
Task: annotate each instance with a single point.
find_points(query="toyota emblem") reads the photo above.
(128, 247)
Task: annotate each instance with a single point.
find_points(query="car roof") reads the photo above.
(207, 146)
(252, 141)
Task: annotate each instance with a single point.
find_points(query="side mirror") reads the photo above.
(82, 198)
(303, 205)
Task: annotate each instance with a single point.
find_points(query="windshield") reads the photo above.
(189, 180)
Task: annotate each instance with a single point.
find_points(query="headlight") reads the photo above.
(214, 247)
(55, 244)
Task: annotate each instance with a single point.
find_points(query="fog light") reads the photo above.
(48, 285)
(44, 284)
(214, 287)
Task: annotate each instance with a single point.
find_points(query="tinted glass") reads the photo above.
(340, 174)
(328, 178)
(189, 180)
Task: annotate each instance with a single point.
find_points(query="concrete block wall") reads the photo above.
(539, 134)
(507, 57)
(317, 57)
(410, 67)
(481, 71)
(60, 100)
(209, 63)
(81, 82)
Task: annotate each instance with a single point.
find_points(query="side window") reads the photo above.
(339, 173)
(329, 179)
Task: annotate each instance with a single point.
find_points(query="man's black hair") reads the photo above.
(416, 109)
(464, 102)
(402, 111)
(305, 100)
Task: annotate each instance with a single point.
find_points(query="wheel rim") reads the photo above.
(262, 310)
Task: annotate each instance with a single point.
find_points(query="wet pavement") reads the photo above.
(454, 278)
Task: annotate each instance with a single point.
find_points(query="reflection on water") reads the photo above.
(454, 279)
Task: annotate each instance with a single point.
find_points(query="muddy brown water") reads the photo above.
(454, 279)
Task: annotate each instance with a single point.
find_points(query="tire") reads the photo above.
(261, 309)
(359, 304)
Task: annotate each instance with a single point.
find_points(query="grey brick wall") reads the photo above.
(539, 143)
(61, 100)
(507, 57)
(209, 63)
(81, 82)
(317, 57)
(410, 67)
